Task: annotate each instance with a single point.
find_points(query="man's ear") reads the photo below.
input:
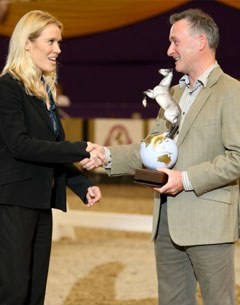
(203, 41)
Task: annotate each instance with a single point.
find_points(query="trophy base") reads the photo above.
(150, 177)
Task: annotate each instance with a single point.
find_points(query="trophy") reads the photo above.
(159, 150)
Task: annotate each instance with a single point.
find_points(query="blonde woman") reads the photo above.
(35, 160)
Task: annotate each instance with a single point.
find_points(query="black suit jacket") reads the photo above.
(35, 166)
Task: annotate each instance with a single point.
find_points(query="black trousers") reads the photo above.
(25, 245)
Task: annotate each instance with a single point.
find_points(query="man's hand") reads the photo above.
(97, 156)
(93, 195)
(174, 184)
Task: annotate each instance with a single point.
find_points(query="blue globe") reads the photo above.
(157, 150)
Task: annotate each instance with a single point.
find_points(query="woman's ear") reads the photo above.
(27, 45)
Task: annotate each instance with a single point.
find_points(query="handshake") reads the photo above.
(97, 157)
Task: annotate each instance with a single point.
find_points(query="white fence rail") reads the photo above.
(64, 223)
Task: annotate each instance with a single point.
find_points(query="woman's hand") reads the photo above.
(93, 195)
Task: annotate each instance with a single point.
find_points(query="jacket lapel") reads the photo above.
(197, 105)
(41, 108)
(192, 113)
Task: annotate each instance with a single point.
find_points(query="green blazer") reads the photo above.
(209, 150)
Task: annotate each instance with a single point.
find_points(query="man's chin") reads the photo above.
(178, 68)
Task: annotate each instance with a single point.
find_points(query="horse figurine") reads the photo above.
(160, 93)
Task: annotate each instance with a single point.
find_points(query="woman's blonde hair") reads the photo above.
(19, 62)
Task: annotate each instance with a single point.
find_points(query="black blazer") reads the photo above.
(35, 166)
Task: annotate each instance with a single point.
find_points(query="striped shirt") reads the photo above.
(187, 99)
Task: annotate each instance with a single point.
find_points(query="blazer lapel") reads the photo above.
(197, 105)
(192, 113)
(41, 108)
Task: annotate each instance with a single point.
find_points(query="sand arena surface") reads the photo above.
(109, 267)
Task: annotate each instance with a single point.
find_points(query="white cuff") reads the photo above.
(186, 182)
(108, 157)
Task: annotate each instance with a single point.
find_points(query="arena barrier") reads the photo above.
(64, 223)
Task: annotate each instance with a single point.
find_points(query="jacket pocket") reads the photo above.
(224, 195)
(14, 175)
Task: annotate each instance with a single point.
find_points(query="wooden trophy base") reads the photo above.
(150, 177)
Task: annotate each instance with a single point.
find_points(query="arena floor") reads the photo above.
(109, 267)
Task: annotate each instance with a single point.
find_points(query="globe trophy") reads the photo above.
(159, 150)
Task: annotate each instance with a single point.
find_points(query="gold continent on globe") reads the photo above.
(158, 150)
